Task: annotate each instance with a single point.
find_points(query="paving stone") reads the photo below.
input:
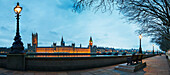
(29, 73)
(163, 73)
(110, 69)
(86, 73)
(103, 73)
(150, 74)
(62, 73)
(73, 73)
(95, 70)
(3, 71)
(19, 73)
(40, 73)
(51, 73)
(3, 74)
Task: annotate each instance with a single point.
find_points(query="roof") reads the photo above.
(58, 46)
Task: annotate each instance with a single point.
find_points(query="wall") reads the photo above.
(3, 61)
(68, 63)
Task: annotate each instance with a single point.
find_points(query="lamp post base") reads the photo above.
(17, 46)
(17, 49)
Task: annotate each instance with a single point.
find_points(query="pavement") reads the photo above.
(157, 65)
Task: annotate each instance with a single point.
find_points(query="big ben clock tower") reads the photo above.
(90, 42)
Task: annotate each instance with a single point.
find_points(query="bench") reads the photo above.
(134, 58)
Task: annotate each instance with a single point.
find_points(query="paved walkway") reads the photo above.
(156, 65)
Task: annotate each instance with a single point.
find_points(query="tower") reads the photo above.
(90, 45)
(90, 41)
(62, 42)
(34, 39)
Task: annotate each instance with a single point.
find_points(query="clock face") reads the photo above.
(90, 42)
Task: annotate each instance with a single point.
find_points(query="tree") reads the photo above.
(152, 16)
(160, 40)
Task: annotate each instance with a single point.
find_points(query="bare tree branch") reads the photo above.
(153, 16)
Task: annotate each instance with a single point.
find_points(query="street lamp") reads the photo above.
(17, 46)
(140, 48)
(153, 49)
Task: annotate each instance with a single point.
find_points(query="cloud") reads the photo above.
(3, 28)
(64, 4)
(53, 33)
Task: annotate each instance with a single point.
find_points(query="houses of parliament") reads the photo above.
(59, 49)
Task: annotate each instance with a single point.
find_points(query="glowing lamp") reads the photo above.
(17, 9)
(140, 36)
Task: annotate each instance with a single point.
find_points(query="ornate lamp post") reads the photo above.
(153, 49)
(140, 48)
(17, 46)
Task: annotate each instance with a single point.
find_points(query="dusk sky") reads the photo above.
(52, 19)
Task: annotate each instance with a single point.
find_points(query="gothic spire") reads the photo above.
(62, 42)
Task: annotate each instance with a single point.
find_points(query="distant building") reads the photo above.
(103, 50)
(4, 50)
(60, 49)
(107, 50)
(71, 49)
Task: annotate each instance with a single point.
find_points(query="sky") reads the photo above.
(52, 19)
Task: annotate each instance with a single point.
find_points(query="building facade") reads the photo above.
(59, 49)
(4, 50)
